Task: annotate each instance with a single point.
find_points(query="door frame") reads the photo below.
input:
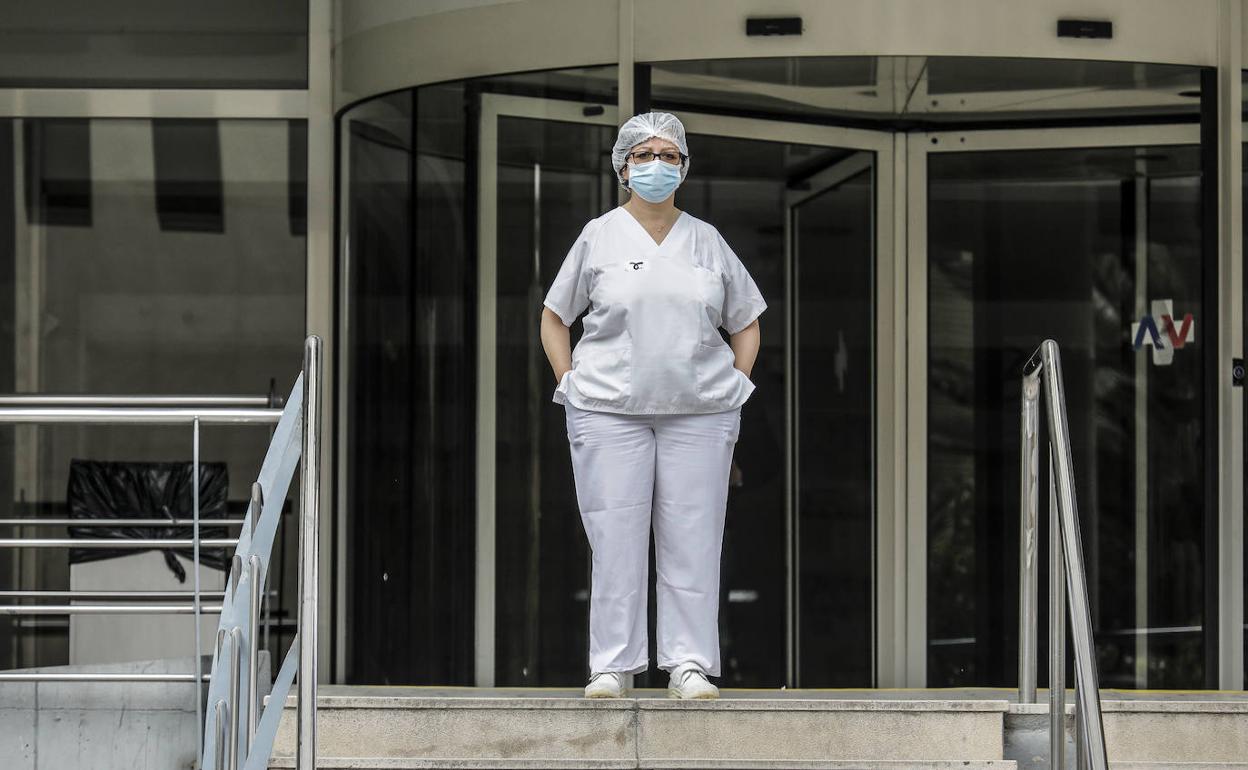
(818, 184)
(890, 576)
(921, 145)
(493, 107)
(901, 344)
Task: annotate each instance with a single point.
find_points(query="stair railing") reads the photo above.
(240, 736)
(1067, 578)
(192, 411)
(232, 734)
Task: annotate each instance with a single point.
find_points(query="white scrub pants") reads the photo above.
(666, 471)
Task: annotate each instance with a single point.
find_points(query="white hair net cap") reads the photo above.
(639, 128)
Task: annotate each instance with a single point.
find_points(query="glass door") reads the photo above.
(1092, 237)
(831, 217)
(798, 205)
(543, 176)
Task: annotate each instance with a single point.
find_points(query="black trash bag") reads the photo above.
(147, 490)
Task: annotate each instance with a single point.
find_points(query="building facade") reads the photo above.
(924, 191)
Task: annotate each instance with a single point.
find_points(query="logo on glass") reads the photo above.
(1159, 331)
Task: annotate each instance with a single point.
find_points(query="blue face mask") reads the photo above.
(654, 181)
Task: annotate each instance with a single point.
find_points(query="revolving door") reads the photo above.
(915, 225)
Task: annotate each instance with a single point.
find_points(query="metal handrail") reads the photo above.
(107, 609)
(100, 676)
(155, 523)
(134, 543)
(309, 556)
(35, 408)
(75, 399)
(1067, 577)
(89, 594)
(124, 415)
(239, 736)
(229, 712)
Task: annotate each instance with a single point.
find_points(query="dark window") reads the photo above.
(189, 195)
(58, 172)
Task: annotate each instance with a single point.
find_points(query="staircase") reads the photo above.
(414, 727)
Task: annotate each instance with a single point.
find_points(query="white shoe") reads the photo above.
(688, 682)
(608, 684)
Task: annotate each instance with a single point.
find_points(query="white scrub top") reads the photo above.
(651, 343)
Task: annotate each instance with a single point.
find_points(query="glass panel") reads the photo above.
(411, 319)
(1244, 235)
(551, 180)
(103, 297)
(745, 188)
(412, 313)
(1078, 245)
(738, 185)
(548, 169)
(141, 44)
(833, 279)
(937, 89)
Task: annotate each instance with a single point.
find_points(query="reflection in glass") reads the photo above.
(140, 44)
(1076, 245)
(101, 296)
(833, 278)
(758, 194)
(410, 430)
(412, 313)
(551, 181)
(940, 90)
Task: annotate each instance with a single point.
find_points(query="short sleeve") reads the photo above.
(569, 294)
(743, 302)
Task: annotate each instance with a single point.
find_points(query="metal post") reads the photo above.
(236, 669)
(222, 712)
(253, 651)
(1087, 680)
(253, 617)
(1081, 741)
(217, 726)
(256, 506)
(1028, 569)
(268, 613)
(310, 491)
(1057, 634)
(199, 653)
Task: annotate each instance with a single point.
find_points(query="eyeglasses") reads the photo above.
(667, 156)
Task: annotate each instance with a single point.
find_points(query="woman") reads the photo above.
(653, 398)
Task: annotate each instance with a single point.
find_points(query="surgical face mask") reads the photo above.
(654, 181)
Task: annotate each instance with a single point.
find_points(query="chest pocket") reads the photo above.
(711, 289)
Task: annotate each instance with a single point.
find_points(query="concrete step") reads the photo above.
(403, 728)
(379, 763)
(1144, 734)
(1178, 766)
(385, 727)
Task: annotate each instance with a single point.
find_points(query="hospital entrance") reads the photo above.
(912, 257)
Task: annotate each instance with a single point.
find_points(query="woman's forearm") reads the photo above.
(745, 347)
(556, 341)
